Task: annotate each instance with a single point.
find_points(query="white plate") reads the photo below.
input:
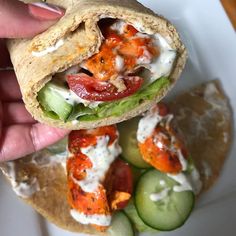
(211, 42)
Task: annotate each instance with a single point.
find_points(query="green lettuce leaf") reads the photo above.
(80, 110)
(119, 107)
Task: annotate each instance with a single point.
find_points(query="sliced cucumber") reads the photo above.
(136, 173)
(168, 213)
(53, 103)
(132, 213)
(58, 147)
(120, 225)
(129, 143)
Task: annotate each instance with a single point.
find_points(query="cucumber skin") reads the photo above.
(148, 167)
(45, 96)
(131, 154)
(165, 230)
(120, 215)
(138, 223)
(140, 215)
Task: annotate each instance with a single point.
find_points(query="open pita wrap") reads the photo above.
(202, 114)
(75, 38)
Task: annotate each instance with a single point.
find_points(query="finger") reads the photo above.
(5, 60)
(20, 140)
(1, 118)
(18, 19)
(9, 87)
(15, 113)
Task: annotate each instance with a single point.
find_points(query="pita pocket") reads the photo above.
(42, 64)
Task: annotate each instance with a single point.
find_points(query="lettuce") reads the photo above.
(121, 106)
(106, 109)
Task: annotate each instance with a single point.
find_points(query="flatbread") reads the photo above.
(204, 117)
(82, 37)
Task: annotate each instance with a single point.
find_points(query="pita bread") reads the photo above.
(205, 118)
(82, 37)
(203, 115)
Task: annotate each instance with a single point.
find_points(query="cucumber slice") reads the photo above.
(136, 173)
(168, 213)
(132, 213)
(58, 147)
(120, 226)
(53, 103)
(129, 143)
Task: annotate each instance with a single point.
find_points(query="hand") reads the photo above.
(20, 134)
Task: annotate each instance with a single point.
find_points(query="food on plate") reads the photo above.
(102, 63)
(164, 196)
(61, 184)
(98, 182)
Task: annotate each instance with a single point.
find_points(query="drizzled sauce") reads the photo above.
(53, 48)
(23, 189)
(91, 154)
(148, 127)
(101, 155)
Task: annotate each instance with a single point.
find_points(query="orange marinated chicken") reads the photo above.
(163, 147)
(112, 73)
(128, 47)
(96, 202)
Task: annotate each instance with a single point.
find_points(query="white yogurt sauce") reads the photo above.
(72, 98)
(54, 154)
(46, 158)
(140, 28)
(101, 155)
(102, 220)
(195, 181)
(146, 127)
(119, 26)
(75, 122)
(182, 160)
(119, 63)
(162, 182)
(155, 197)
(184, 183)
(162, 65)
(147, 124)
(187, 182)
(22, 189)
(53, 48)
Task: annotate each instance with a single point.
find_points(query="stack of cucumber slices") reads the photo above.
(165, 213)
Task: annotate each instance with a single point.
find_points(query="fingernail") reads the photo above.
(45, 11)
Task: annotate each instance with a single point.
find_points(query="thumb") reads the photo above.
(20, 20)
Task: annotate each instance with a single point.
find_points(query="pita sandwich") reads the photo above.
(65, 48)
